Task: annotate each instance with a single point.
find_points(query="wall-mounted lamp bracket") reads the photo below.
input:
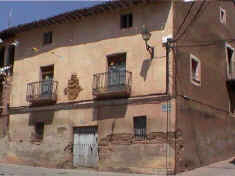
(150, 49)
(146, 35)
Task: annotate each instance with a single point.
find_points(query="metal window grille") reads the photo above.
(140, 127)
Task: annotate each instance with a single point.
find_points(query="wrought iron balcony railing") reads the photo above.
(42, 92)
(113, 83)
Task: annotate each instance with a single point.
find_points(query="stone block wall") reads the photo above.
(122, 152)
(5, 99)
(118, 149)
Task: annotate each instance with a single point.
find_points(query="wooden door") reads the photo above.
(85, 148)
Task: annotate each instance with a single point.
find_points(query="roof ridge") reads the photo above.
(76, 15)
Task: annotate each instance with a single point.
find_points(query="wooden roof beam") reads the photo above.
(75, 18)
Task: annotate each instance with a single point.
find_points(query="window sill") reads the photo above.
(196, 82)
(232, 114)
(128, 29)
(36, 141)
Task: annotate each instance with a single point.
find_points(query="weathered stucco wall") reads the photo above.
(82, 47)
(206, 129)
(5, 100)
(118, 144)
(118, 149)
(205, 135)
(55, 150)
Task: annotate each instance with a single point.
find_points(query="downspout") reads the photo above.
(167, 93)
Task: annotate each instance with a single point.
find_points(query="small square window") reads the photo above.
(222, 16)
(195, 69)
(126, 21)
(140, 127)
(47, 38)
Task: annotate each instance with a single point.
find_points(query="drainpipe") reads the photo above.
(168, 47)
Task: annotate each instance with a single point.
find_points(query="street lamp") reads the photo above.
(146, 35)
(15, 43)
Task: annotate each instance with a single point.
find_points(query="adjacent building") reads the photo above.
(83, 89)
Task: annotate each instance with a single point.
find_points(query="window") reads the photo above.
(47, 72)
(39, 130)
(11, 55)
(195, 69)
(10, 58)
(1, 95)
(46, 86)
(2, 53)
(230, 57)
(140, 127)
(126, 21)
(222, 16)
(47, 38)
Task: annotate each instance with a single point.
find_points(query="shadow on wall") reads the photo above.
(92, 31)
(41, 116)
(145, 68)
(95, 113)
(110, 112)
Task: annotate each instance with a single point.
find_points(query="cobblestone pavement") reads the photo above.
(224, 168)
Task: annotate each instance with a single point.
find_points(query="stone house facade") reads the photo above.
(84, 92)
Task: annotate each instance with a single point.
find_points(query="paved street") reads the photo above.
(16, 170)
(224, 168)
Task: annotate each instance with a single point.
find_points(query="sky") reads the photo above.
(20, 12)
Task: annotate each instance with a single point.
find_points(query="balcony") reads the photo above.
(42, 92)
(112, 84)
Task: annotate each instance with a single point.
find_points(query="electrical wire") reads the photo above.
(188, 98)
(198, 43)
(206, 43)
(192, 21)
(186, 16)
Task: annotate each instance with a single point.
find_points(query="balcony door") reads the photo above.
(116, 70)
(47, 74)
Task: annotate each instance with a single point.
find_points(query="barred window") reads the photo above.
(140, 127)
